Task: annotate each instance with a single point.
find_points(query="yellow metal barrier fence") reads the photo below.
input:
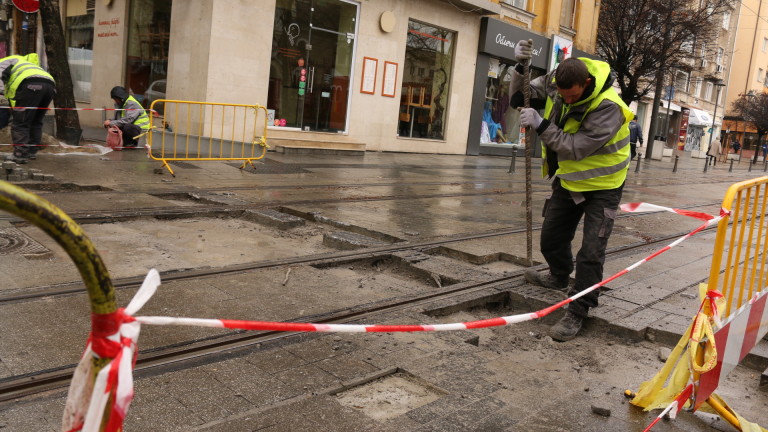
(206, 131)
(733, 315)
(739, 259)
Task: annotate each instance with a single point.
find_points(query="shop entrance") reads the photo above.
(311, 64)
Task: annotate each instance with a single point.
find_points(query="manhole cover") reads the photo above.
(390, 396)
(15, 242)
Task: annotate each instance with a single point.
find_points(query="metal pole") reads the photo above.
(512, 163)
(637, 167)
(666, 121)
(674, 168)
(528, 166)
(730, 168)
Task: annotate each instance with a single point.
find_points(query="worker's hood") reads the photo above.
(118, 93)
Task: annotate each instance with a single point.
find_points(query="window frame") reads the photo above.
(568, 15)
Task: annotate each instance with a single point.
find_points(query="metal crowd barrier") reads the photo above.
(739, 260)
(739, 272)
(732, 318)
(206, 131)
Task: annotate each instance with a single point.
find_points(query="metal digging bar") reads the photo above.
(70, 236)
(528, 164)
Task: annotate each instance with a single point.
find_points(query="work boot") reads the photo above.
(567, 328)
(20, 156)
(546, 280)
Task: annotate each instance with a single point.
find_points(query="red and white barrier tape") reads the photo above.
(674, 408)
(116, 336)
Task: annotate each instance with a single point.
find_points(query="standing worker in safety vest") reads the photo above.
(585, 146)
(27, 85)
(130, 116)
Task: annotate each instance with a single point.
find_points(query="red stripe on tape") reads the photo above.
(493, 322)
(268, 325)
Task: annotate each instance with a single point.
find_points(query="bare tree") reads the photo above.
(67, 121)
(754, 109)
(642, 40)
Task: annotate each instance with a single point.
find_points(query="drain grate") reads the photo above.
(183, 165)
(15, 242)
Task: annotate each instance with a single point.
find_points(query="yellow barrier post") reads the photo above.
(187, 126)
(70, 236)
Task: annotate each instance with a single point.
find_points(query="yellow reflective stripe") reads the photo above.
(613, 148)
(21, 71)
(18, 68)
(143, 119)
(594, 172)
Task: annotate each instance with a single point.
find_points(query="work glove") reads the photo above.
(523, 50)
(529, 117)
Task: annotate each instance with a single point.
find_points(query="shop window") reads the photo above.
(313, 47)
(79, 39)
(149, 33)
(424, 97)
(500, 125)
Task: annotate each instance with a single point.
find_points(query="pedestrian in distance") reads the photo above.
(130, 116)
(29, 90)
(764, 148)
(585, 148)
(635, 136)
(713, 152)
(736, 146)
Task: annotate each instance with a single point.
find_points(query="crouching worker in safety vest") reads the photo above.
(29, 90)
(130, 116)
(585, 150)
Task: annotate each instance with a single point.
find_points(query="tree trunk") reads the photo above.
(67, 121)
(653, 127)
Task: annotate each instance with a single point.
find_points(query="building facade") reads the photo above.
(384, 75)
(751, 54)
(694, 103)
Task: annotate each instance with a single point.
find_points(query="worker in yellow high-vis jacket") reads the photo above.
(585, 146)
(130, 116)
(29, 90)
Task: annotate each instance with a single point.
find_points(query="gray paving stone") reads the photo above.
(349, 241)
(274, 218)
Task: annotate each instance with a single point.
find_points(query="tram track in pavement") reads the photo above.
(181, 355)
(33, 293)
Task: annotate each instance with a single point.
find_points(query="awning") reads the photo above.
(698, 117)
(673, 107)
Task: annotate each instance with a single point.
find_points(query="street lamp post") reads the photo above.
(719, 84)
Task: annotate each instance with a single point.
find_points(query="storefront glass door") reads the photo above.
(311, 65)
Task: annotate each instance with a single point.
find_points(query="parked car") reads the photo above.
(154, 92)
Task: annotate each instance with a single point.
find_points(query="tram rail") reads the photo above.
(159, 358)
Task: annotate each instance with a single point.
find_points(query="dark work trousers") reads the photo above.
(27, 126)
(561, 218)
(633, 149)
(130, 131)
